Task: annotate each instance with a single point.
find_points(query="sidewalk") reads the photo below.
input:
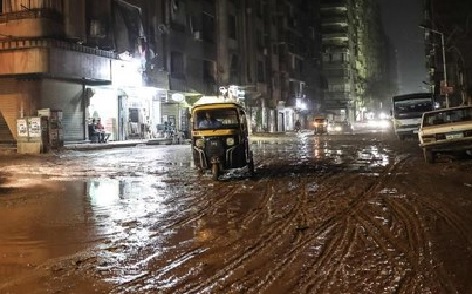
(84, 146)
(118, 144)
(162, 141)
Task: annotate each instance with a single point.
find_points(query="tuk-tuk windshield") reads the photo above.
(216, 119)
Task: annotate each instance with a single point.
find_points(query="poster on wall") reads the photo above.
(34, 127)
(22, 127)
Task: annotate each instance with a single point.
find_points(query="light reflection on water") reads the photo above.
(111, 219)
(325, 150)
(141, 215)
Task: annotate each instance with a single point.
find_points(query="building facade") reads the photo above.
(451, 60)
(138, 64)
(356, 59)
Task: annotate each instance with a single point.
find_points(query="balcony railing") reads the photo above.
(29, 43)
(336, 4)
(328, 21)
(31, 13)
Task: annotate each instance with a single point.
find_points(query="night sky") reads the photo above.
(401, 20)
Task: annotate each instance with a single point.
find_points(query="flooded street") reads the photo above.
(331, 214)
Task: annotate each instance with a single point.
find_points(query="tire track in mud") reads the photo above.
(140, 282)
(297, 248)
(339, 245)
(424, 199)
(419, 254)
(263, 242)
(290, 256)
(147, 250)
(439, 206)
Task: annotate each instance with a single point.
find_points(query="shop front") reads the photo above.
(128, 113)
(127, 109)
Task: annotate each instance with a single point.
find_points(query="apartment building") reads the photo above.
(339, 57)
(81, 57)
(279, 70)
(139, 63)
(356, 59)
(375, 85)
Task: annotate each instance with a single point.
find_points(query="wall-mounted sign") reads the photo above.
(22, 127)
(34, 127)
(177, 97)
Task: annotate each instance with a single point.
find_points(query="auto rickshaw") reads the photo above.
(220, 138)
(321, 125)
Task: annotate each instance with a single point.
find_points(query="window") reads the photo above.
(260, 39)
(249, 71)
(232, 27)
(177, 64)
(216, 119)
(260, 72)
(193, 24)
(208, 71)
(312, 32)
(234, 75)
(448, 116)
(208, 27)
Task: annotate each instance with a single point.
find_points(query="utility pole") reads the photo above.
(446, 94)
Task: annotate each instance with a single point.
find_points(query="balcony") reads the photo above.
(335, 21)
(54, 58)
(335, 37)
(32, 23)
(31, 14)
(339, 5)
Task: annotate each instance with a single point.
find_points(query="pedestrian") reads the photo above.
(100, 129)
(93, 137)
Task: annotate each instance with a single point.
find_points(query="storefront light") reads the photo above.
(127, 73)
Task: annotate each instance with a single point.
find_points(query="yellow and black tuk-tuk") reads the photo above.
(321, 125)
(220, 138)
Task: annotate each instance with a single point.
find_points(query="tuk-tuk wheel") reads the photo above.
(252, 171)
(215, 171)
(250, 165)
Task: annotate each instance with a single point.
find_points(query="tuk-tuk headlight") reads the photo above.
(200, 142)
(230, 141)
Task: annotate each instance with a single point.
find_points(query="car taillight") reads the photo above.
(468, 133)
(440, 136)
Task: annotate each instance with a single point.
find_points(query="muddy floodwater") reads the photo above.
(331, 214)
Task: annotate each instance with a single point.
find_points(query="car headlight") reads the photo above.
(200, 142)
(230, 141)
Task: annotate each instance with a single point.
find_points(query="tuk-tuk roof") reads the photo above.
(217, 105)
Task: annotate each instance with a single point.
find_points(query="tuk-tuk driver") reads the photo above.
(209, 122)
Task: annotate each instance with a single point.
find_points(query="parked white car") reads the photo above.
(445, 130)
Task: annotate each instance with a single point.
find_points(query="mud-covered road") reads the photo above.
(345, 214)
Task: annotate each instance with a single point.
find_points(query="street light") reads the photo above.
(446, 94)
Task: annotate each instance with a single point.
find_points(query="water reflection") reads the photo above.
(347, 155)
(41, 221)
